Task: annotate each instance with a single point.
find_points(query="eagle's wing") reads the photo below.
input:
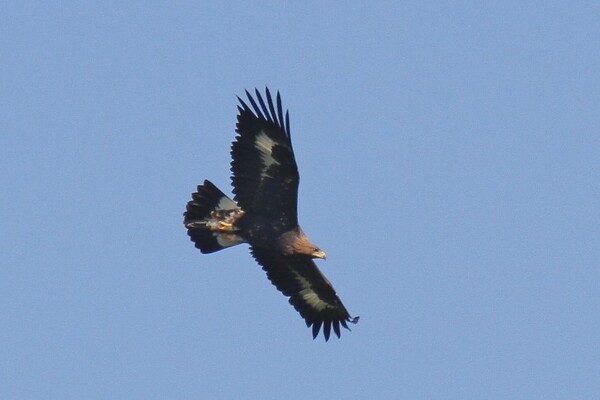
(265, 176)
(309, 291)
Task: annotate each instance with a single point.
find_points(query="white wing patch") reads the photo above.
(313, 300)
(309, 295)
(264, 144)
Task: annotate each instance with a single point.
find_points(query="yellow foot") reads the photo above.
(226, 226)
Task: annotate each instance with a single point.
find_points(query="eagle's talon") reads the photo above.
(224, 225)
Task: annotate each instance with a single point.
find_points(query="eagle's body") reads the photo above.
(264, 215)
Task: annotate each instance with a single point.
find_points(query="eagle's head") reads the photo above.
(296, 242)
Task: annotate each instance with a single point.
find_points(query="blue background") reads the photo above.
(450, 164)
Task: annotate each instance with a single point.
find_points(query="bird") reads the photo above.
(263, 214)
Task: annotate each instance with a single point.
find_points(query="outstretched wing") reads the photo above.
(265, 176)
(309, 291)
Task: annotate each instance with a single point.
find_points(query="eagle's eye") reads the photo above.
(318, 253)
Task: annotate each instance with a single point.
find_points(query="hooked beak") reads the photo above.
(320, 254)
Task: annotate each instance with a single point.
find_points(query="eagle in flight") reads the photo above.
(263, 213)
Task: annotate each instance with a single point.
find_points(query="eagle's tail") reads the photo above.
(210, 219)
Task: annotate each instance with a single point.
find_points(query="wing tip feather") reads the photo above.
(316, 327)
(328, 324)
(270, 111)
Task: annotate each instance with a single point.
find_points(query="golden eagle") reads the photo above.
(264, 214)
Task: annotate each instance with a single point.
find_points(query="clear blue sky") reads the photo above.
(450, 164)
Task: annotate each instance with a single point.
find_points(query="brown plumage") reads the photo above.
(264, 215)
